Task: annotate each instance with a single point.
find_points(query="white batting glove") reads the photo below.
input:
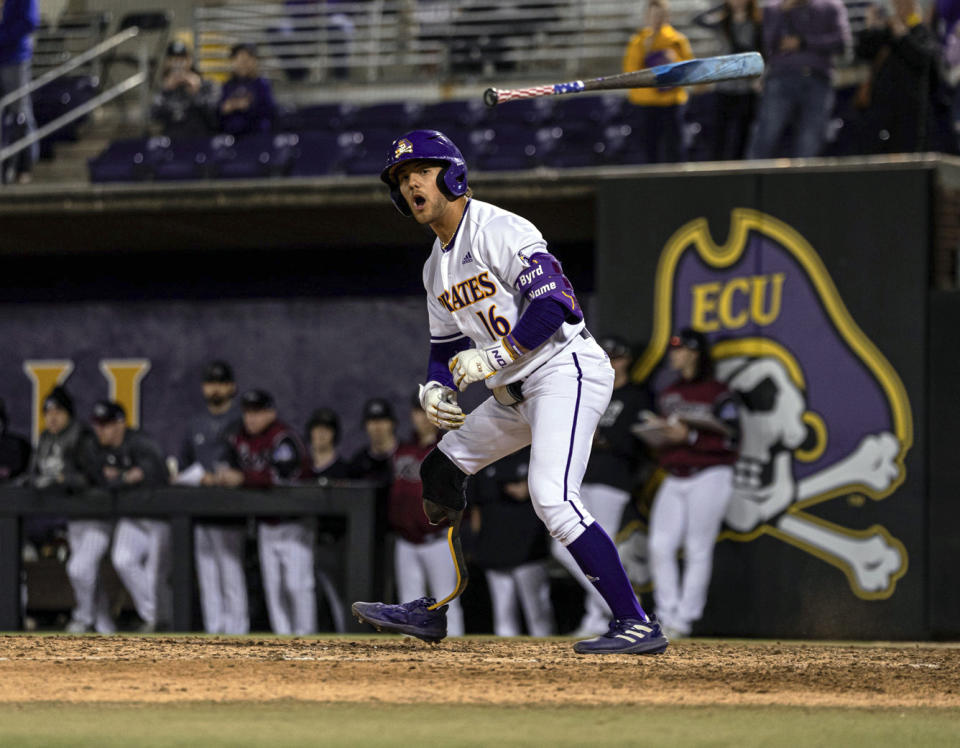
(475, 364)
(440, 405)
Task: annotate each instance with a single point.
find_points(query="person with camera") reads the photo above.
(185, 105)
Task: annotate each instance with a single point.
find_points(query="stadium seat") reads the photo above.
(332, 117)
(508, 147)
(528, 112)
(570, 145)
(185, 158)
(397, 116)
(588, 108)
(461, 114)
(252, 156)
(315, 154)
(127, 160)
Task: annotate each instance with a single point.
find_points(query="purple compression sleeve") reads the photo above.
(538, 322)
(438, 369)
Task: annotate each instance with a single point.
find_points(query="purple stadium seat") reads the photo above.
(528, 112)
(459, 114)
(128, 160)
(332, 117)
(396, 116)
(570, 145)
(621, 145)
(253, 156)
(315, 154)
(508, 147)
(185, 158)
(588, 108)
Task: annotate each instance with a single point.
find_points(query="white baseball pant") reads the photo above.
(289, 585)
(427, 568)
(218, 550)
(89, 541)
(606, 504)
(141, 556)
(528, 583)
(563, 402)
(687, 513)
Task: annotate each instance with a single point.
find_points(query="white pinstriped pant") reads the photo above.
(419, 566)
(528, 583)
(289, 584)
(89, 541)
(218, 551)
(687, 513)
(141, 556)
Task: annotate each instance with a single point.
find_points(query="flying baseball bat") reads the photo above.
(685, 73)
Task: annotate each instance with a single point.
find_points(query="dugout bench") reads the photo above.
(355, 503)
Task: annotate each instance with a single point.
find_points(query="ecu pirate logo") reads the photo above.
(403, 146)
(823, 413)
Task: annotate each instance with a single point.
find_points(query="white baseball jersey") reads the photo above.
(472, 286)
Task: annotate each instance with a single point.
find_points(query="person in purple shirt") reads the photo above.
(800, 39)
(18, 20)
(246, 100)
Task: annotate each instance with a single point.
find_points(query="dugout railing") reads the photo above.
(354, 503)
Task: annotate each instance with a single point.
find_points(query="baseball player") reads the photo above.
(610, 473)
(323, 436)
(266, 452)
(502, 312)
(421, 558)
(121, 458)
(698, 428)
(218, 544)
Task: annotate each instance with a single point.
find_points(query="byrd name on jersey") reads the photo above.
(482, 299)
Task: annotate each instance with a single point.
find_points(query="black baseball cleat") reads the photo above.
(413, 618)
(627, 636)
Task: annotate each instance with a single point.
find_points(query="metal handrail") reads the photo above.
(58, 72)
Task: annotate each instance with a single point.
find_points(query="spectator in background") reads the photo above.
(800, 39)
(186, 104)
(611, 472)
(422, 563)
(323, 435)
(902, 98)
(246, 101)
(374, 462)
(512, 546)
(121, 458)
(217, 543)
(18, 20)
(267, 452)
(14, 449)
(737, 25)
(658, 43)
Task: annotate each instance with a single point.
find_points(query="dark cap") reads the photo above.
(689, 338)
(324, 417)
(256, 400)
(615, 347)
(107, 411)
(177, 48)
(218, 371)
(59, 398)
(247, 47)
(377, 407)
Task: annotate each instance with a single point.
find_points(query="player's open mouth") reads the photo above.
(419, 201)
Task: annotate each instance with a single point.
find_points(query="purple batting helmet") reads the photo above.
(429, 145)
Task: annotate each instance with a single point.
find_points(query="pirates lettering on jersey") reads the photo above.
(463, 294)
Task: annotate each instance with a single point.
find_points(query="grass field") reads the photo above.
(304, 724)
(185, 690)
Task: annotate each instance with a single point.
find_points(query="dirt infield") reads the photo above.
(471, 671)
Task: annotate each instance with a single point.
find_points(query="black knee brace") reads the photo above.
(444, 487)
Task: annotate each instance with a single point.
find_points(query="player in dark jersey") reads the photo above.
(610, 473)
(323, 435)
(698, 428)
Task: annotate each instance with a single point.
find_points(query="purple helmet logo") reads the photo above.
(428, 145)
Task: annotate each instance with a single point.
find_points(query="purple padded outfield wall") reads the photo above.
(308, 353)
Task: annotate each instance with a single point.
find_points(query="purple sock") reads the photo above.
(597, 556)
